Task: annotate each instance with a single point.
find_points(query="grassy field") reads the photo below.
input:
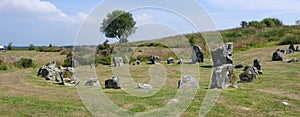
(24, 94)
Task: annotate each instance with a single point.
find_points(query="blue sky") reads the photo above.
(41, 22)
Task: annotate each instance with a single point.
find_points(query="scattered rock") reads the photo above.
(249, 74)
(289, 51)
(292, 47)
(197, 54)
(278, 55)
(257, 65)
(293, 60)
(222, 55)
(170, 60)
(297, 49)
(245, 108)
(188, 82)
(172, 101)
(136, 62)
(92, 82)
(113, 83)
(180, 61)
(223, 76)
(144, 86)
(240, 65)
(285, 103)
(118, 61)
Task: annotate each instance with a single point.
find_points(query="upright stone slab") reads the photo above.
(188, 82)
(222, 55)
(197, 54)
(223, 77)
(292, 47)
(278, 55)
(257, 65)
(118, 61)
(154, 59)
(113, 83)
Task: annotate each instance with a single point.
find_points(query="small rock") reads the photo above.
(285, 103)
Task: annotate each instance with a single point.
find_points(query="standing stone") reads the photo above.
(257, 65)
(188, 82)
(222, 55)
(297, 49)
(292, 47)
(249, 74)
(170, 60)
(154, 59)
(223, 76)
(113, 83)
(92, 82)
(180, 61)
(197, 54)
(278, 55)
(137, 62)
(118, 61)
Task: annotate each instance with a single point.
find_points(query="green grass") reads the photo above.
(24, 94)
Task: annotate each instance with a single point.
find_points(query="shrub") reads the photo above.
(290, 40)
(103, 60)
(67, 62)
(3, 67)
(153, 44)
(24, 63)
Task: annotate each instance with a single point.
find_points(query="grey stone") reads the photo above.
(222, 55)
(278, 55)
(154, 59)
(118, 61)
(137, 62)
(289, 51)
(297, 49)
(170, 60)
(292, 47)
(197, 54)
(257, 65)
(223, 76)
(113, 83)
(188, 82)
(180, 61)
(92, 82)
(240, 65)
(249, 74)
(293, 60)
(144, 86)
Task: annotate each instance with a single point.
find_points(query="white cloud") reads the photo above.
(285, 5)
(43, 10)
(144, 18)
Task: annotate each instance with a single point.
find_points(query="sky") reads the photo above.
(65, 22)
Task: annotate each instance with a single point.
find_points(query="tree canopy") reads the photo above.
(267, 22)
(118, 24)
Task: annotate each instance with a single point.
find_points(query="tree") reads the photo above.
(31, 47)
(192, 41)
(269, 22)
(255, 24)
(118, 24)
(297, 22)
(50, 45)
(9, 47)
(244, 24)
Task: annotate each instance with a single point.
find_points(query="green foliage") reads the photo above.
(49, 49)
(268, 22)
(118, 24)
(24, 63)
(153, 44)
(256, 24)
(9, 47)
(3, 66)
(290, 40)
(31, 47)
(104, 49)
(103, 60)
(244, 24)
(192, 41)
(67, 62)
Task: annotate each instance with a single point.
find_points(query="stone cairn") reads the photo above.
(197, 54)
(249, 74)
(222, 55)
(64, 76)
(223, 76)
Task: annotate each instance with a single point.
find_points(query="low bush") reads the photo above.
(103, 60)
(290, 40)
(24, 63)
